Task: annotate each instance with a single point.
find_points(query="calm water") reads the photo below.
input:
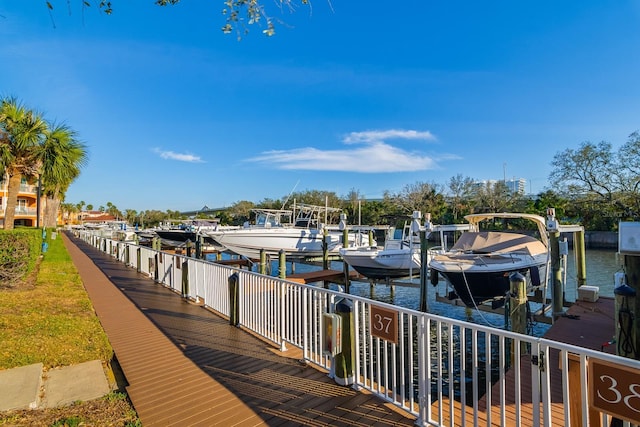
(601, 266)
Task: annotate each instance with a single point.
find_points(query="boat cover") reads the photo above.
(485, 242)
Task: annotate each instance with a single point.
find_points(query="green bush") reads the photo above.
(19, 253)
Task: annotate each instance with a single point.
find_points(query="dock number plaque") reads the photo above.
(384, 323)
(615, 389)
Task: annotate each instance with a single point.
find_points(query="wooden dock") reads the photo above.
(333, 276)
(186, 366)
(586, 324)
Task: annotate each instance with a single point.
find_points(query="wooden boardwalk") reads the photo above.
(186, 366)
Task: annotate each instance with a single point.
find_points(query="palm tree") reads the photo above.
(66, 211)
(61, 158)
(21, 133)
(80, 207)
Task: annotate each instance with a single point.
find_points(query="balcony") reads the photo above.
(21, 210)
(24, 188)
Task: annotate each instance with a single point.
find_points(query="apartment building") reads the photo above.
(27, 204)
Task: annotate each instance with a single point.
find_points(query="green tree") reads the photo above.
(62, 157)
(421, 196)
(603, 183)
(375, 212)
(493, 197)
(130, 215)
(66, 209)
(113, 211)
(461, 190)
(240, 212)
(21, 133)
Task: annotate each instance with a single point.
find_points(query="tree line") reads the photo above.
(594, 186)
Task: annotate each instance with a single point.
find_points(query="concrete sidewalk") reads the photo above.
(32, 387)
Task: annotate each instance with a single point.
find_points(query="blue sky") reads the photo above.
(366, 96)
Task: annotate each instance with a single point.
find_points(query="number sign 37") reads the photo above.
(384, 323)
(615, 389)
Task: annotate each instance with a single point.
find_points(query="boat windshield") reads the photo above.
(270, 218)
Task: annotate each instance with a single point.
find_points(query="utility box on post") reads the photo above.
(332, 328)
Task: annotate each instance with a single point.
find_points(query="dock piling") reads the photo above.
(424, 304)
(518, 306)
(554, 243)
(282, 264)
(262, 268)
(345, 360)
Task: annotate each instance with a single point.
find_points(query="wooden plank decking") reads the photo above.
(585, 324)
(188, 367)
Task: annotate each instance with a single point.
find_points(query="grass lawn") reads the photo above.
(49, 318)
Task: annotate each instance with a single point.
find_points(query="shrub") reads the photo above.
(19, 253)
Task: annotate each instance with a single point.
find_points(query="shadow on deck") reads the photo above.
(187, 366)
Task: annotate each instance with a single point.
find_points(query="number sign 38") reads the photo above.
(384, 324)
(615, 389)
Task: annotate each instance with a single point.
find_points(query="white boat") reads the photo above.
(400, 256)
(177, 235)
(479, 264)
(303, 238)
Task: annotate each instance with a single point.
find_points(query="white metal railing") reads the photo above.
(437, 366)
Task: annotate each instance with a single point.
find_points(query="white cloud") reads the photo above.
(374, 156)
(383, 135)
(170, 155)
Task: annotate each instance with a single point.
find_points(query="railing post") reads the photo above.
(424, 364)
(282, 305)
(185, 278)
(234, 297)
(139, 259)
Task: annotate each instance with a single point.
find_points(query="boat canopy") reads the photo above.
(475, 219)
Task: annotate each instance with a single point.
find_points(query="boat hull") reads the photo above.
(294, 242)
(476, 286)
(178, 238)
(375, 263)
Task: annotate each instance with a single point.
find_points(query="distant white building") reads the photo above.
(515, 185)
